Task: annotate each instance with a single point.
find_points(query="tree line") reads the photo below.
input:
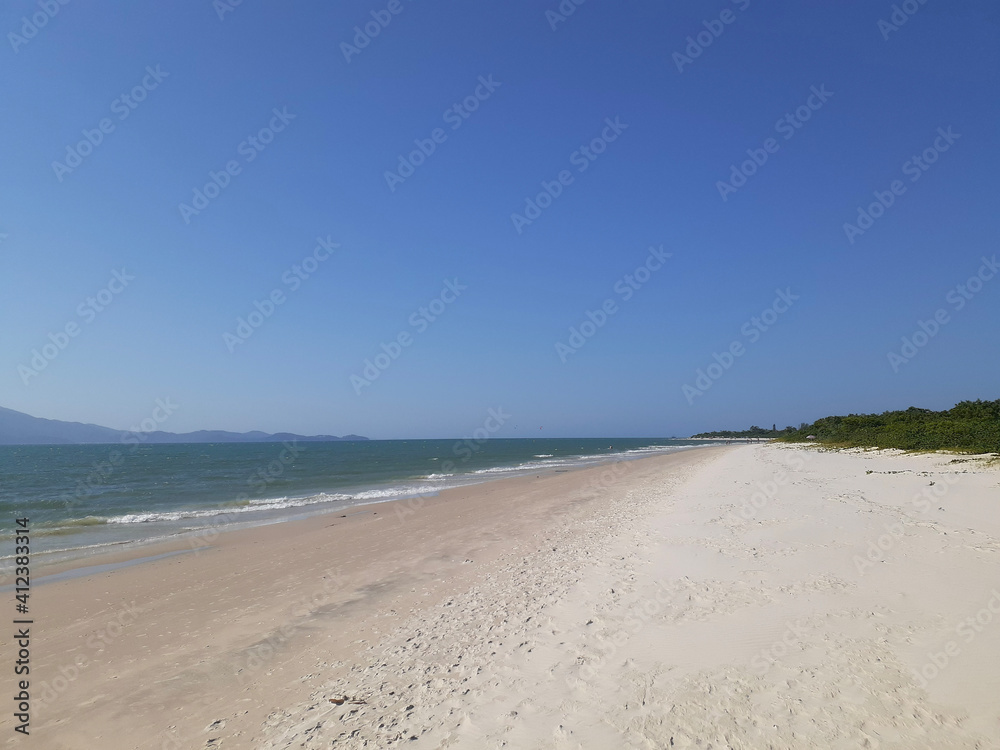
(970, 426)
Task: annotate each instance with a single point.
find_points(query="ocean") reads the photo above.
(85, 498)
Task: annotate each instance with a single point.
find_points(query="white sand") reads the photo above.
(770, 597)
(755, 596)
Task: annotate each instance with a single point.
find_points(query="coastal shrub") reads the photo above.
(971, 426)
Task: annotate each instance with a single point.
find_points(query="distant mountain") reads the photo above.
(17, 428)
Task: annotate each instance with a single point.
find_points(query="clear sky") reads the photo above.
(832, 104)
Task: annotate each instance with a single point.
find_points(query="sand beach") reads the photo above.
(745, 596)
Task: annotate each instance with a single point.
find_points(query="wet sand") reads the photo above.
(745, 596)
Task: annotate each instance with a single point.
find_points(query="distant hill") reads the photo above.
(17, 428)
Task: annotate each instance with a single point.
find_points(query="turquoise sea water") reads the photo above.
(90, 496)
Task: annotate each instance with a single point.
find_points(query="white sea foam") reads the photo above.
(583, 460)
(529, 466)
(138, 526)
(433, 483)
(407, 491)
(255, 506)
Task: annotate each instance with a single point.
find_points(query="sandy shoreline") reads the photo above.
(739, 596)
(263, 595)
(66, 561)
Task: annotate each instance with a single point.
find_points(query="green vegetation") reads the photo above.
(753, 432)
(970, 426)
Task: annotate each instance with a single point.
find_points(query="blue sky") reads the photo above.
(208, 85)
